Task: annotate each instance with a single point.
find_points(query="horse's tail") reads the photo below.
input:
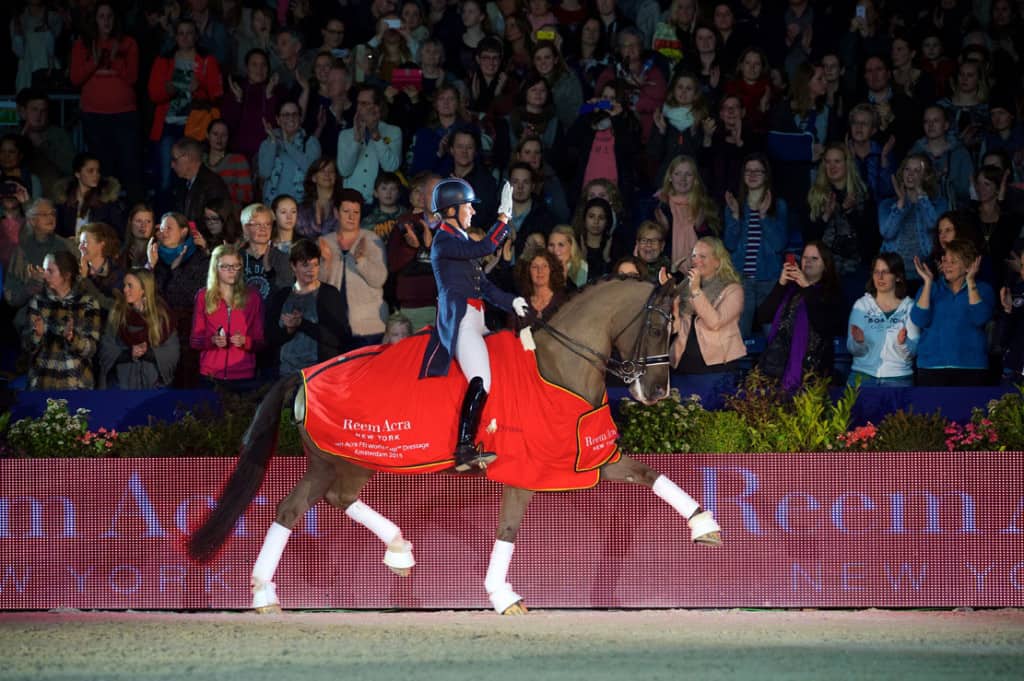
(258, 445)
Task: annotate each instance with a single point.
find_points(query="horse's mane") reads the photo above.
(579, 295)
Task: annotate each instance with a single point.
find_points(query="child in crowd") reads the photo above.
(387, 194)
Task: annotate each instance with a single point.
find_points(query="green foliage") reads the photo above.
(661, 428)
(721, 432)
(905, 431)
(200, 430)
(1007, 416)
(812, 423)
(203, 430)
(778, 422)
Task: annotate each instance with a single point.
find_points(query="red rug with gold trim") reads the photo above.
(368, 406)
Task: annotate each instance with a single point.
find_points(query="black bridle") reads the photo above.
(629, 370)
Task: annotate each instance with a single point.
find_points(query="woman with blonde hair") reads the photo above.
(907, 222)
(685, 209)
(707, 314)
(842, 216)
(563, 245)
(140, 345)
(227, 323)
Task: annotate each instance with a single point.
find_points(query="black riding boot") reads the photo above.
(467, 453)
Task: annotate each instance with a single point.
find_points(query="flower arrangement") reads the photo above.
(978, 433)
(59, 433)
(860, 438)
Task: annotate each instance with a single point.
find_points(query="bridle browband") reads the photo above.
(629, 370)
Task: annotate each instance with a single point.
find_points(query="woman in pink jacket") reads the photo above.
(227, 324)
(707, 321)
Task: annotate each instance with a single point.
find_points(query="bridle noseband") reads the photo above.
(629, 370)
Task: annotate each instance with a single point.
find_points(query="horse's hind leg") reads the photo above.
(344, 494)
(314, 484)
(513, 507)
(703, 528)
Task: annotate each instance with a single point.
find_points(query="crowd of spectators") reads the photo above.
(245, 187)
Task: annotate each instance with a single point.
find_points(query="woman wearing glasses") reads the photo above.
(227, 323)
(286, 154)
(756, 232)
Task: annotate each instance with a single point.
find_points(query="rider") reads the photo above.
(462, 287)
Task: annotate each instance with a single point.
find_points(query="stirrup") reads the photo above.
(479, 459)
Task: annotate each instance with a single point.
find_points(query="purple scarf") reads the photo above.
(793, 376)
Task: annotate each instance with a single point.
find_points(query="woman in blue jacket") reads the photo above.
(952, 311)
(756, 232)
(907, 222)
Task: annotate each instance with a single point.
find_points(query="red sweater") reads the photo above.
(113, 91)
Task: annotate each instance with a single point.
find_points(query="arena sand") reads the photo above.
(554, 644)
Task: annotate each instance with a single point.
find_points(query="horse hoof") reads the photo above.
(517, 608)
(710, 539)
(272, 609)
(704, 529)
(399, 557)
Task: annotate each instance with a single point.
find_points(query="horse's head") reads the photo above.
(643, 345)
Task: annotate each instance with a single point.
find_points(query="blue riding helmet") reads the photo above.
(450, 192)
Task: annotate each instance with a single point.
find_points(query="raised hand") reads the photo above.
(901, 337)
(766, 202)
(923, 271)
(272, 84)
(505, 206)
(901, 196)
(38, 327)
(359, 250)
(1006, 300)
(69, 329)
(236, 89)
(766, 100)
(732, 204)
(830, 206)
(972, 270)
(659, 120)
(411, 240)
(139, 349)
(238, 340)
(151, 252)
(856, 333)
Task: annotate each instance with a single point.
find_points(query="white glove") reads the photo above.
(505, 207)
(520, 305)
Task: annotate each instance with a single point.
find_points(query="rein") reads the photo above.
(629, 370)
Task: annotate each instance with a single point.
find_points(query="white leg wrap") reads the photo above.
(702, 525)
(399, 556)
(270, 555)
(500, 592)
(385, 530)
(675, 497)
(264, 595)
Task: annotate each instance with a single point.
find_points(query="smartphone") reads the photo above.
(791, 259)
(192, 229)
(393, 23)
(545, 35)
(862, 11)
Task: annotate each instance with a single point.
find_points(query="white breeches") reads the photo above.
(470, 349)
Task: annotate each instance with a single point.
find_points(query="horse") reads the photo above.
(573, 351)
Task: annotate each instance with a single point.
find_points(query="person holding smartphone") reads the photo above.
(805, 314)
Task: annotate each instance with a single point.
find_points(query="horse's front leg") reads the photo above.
(703, 528)
(513, 507)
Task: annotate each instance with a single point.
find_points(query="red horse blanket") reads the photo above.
(368, 406)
